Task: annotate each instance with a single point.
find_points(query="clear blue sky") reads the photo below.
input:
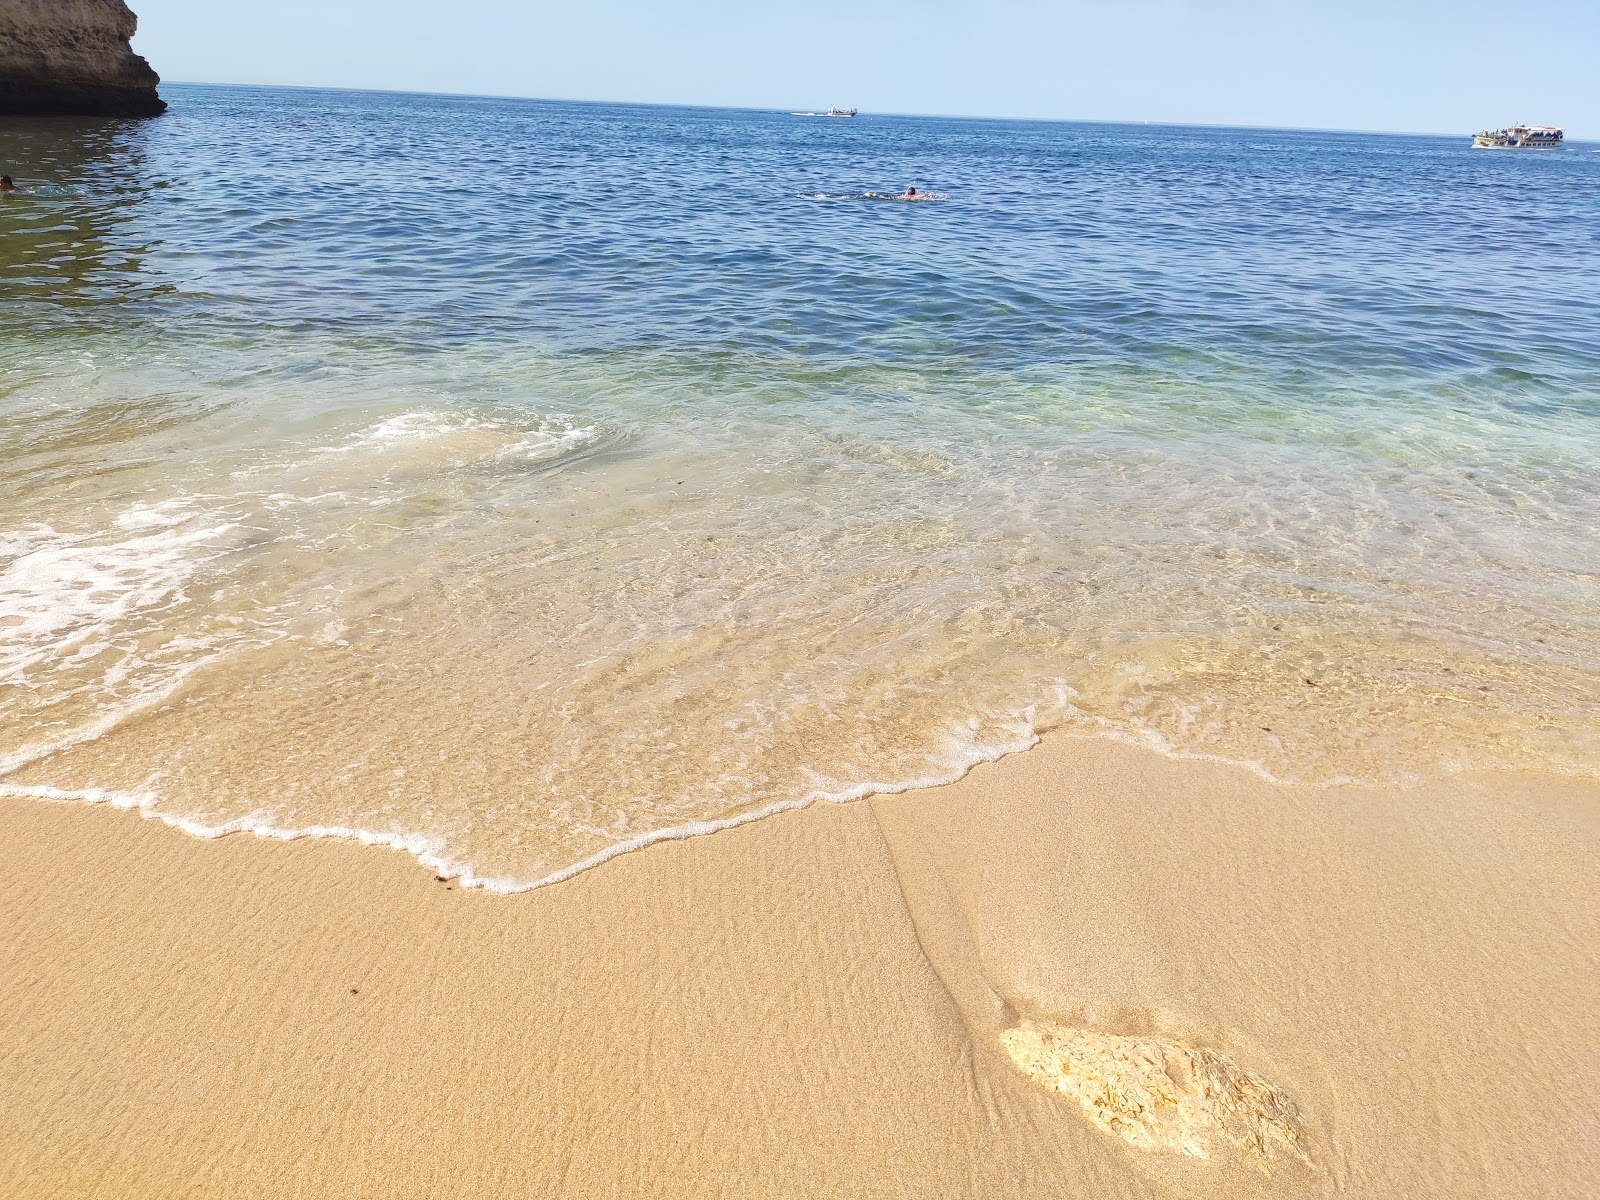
(1404, 65)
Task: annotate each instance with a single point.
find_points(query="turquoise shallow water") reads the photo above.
(518, 481)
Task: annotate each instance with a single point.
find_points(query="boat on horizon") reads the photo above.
(1519, 137)
(840, 112)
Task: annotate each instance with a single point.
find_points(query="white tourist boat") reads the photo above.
(841, 112)
(1519, 137)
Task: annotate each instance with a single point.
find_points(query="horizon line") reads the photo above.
(318, 87)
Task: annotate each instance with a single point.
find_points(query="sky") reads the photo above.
(1415, 66)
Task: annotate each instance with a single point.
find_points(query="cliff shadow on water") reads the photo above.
(74, 255)
(73, 58)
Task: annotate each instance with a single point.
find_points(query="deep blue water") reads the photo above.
(584, 226)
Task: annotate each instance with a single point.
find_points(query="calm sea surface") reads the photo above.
(518, 481)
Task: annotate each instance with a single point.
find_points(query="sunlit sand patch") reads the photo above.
(1159, 1095)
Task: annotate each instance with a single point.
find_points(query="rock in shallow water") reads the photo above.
(73, 58)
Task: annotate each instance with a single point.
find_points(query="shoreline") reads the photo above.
(817, 1003)
(427, 850)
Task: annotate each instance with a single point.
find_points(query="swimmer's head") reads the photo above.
(5, 182)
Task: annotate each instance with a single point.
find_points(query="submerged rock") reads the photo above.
(73, 58)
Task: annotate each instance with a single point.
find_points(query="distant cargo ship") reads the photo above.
(1520, 137)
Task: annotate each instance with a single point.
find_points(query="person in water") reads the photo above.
(911, 194)
(6, 185)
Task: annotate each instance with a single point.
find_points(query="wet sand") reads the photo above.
(1082, 971)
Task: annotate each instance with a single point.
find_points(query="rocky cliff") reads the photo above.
(72, 57)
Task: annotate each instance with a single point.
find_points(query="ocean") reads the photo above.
(518, 482)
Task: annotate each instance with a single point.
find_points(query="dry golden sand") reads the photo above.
(1084, 971)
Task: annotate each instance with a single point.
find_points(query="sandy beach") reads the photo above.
(1082, 971)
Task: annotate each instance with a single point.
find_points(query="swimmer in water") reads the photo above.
(911, 194)
(6, 185)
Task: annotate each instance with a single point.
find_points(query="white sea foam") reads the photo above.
(404, 427)
(502, 440)
(96, 616)
(429, 849)
(137, 700)
(62, 592)
(424, 425)
(546, 445)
